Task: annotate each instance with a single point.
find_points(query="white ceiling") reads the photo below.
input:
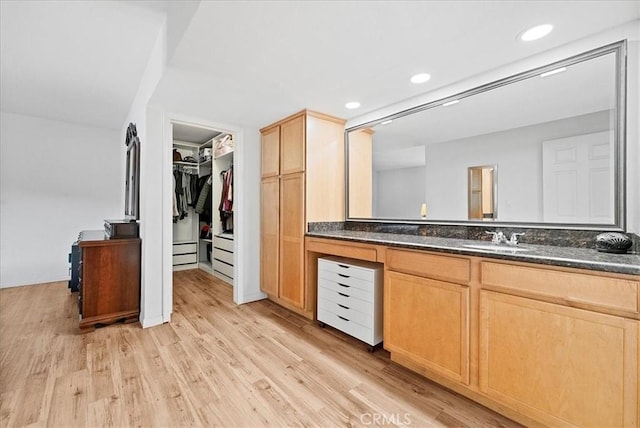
(260, 60)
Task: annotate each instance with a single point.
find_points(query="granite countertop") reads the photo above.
(543, 254)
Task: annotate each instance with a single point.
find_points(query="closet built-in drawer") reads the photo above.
(185, 259)
(345, 300)
(572, 288)
(223, 242)
(184, 248)
(223, 268)
(223, 255)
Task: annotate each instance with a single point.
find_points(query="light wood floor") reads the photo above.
(215, 364)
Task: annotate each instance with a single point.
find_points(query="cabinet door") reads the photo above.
(561, 365)
(361, 173)
(269, 231)
(292, 145)
(292, 226)
(428, 321)
(271, 152)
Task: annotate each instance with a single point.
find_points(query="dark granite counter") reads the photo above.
(582, 258)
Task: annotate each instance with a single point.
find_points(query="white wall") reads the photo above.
(57, 178)
(400, 192)
(152, 298)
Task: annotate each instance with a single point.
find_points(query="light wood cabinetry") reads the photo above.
(426, 319)
(544, 345)
(302, 181)
(361, 173)
(561, 365)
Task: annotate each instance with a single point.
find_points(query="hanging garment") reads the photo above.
(226, 201)
(202, 197)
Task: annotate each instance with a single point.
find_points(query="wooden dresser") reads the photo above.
(109, 279)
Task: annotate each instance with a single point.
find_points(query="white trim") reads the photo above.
(146, 323)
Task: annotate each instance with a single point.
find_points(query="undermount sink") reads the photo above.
(492, 247)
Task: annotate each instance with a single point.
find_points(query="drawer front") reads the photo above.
(223, 268)
(184, 259)
(190, 247)
(346, 270)
(347, 326)
(345, 300)
(454, 269)
(224, 243)
(586, 289)
(346, 290)
(347, 281)
(223, 255)
(347, 313)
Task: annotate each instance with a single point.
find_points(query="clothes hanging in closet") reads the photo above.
(226, 201)
(184, 184)
(203, 199)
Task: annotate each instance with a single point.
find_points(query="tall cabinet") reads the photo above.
(302, 182)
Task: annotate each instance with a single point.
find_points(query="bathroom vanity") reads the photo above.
(545, 335)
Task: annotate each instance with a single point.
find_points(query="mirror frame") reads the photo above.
(619, 144)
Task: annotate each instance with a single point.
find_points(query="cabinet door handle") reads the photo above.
(344, 276)
(344, 285)
(343, 295)
(342, 318)
(344, 266)
(343, 306)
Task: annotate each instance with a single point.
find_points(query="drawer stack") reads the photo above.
(350, 297)
(185, 254)
(223, 257)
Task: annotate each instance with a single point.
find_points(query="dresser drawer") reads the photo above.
(344, 324)
(224, 243)
(345, 269)
(222, 255)
(345, 290)
(185, 248)
(184, 259)
(345, 300)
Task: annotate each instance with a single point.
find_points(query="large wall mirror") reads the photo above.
(555, 134)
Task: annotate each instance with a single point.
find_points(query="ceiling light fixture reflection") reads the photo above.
(552, 72)
(386, 122)
(420, 78)
(450, 103)
(536, 32)
(352, 104)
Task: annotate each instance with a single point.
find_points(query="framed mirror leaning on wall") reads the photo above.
(556, 133)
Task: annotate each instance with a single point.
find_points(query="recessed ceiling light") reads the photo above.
(536, 32)
(552, 72)
(352, 104)
(420, 78)
(386, 122)
(450, 103)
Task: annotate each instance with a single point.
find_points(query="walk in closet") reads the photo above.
(203, 200)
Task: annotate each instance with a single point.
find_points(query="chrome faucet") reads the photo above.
(498, 238)
(515, 238)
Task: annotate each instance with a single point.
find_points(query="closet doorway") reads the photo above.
(202, 207)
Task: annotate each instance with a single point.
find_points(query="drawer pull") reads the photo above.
(343, 306)
(344, 276)
(343, 295)
(342, 318)
(344, 266)
(344, 285)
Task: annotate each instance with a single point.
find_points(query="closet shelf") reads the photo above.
(206, 240)
(194, 164)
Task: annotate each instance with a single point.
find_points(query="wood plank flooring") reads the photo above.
(215, 364)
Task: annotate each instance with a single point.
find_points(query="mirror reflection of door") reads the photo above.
(482, 198)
